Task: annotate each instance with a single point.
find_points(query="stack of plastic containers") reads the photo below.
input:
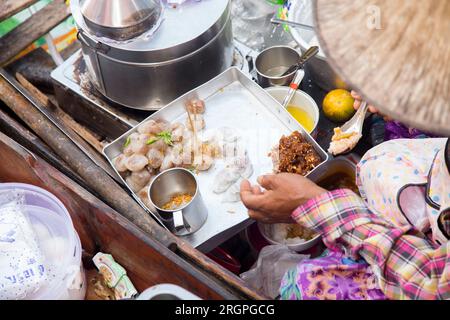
(59, 273)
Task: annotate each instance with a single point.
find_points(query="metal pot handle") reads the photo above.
(99, 47)
(179, 222)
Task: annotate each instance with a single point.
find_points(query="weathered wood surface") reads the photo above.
(395, 53)
(8, 8)
(102, 229)
(63, 117)
(72, 129)
(94, 176)
(29, 140)
(32, 29)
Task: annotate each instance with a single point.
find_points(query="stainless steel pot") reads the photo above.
(273, 62)
(148, 72)
(178, 181)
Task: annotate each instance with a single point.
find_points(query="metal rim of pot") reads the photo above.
(122, 53)
(101, 50)
(143, 16)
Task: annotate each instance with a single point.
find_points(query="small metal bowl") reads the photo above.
(274, 61)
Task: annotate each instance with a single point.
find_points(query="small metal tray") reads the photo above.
(232, 100)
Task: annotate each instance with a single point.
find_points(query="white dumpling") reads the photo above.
(211, 149)
(149, 127)
(132, 184)
(178, 130)
(195, 106)
(167, 163)
(176, 152)
(229, 134)
(242, 164)
(143, 195)
(234, 149)
(155, 158)
(163, 125)
(203, 162)
(140, 145)
(248, 172)
(132, 138)
(140, 178)
(224, 179)
(120, 163)
(233, 193)
(158, 144)
(136, 162)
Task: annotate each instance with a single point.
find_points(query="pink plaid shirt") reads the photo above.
(407, 264)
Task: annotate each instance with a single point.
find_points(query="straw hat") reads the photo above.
(396, 53)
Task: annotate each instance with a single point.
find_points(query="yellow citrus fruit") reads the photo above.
(338, 105)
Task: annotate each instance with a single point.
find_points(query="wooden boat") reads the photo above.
(101, 228)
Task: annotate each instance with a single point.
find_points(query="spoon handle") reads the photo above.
(292, 24)
(308, 54)
(356, 122)
(293, 87)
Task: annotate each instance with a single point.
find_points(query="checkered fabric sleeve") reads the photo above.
(408, 265)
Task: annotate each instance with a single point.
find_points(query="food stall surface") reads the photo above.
(111, 122)
(79, 98)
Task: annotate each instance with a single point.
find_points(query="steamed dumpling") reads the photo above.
(136, 162)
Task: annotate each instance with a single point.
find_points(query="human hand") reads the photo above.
(358, 102)
(283, 193)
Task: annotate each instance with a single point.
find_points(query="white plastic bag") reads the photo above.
(21, 263)
(273, 262)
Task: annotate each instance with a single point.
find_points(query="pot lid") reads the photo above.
(120, 19)
(395, 53)
(183, 29)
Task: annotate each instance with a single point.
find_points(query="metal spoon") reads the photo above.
(355, 124)
(308, 54)
(292, 24)
(311, 52)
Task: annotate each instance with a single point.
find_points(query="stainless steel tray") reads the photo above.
(232, 100)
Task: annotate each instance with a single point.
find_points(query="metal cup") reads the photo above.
(188, 218)
(273, 62)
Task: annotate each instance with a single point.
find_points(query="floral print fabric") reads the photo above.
(331, 277)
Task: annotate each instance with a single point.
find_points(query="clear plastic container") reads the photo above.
(58, 241)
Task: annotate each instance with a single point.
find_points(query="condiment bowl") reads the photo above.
(271, 63)
(297, 247)
(301, 100)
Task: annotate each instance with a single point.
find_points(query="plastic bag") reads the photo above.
(21, 262)
(273, 262)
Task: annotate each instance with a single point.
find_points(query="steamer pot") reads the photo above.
(189, 45)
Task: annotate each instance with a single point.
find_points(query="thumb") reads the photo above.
(246, 187)
(268, 182)
(248, 197)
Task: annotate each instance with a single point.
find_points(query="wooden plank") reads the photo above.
(63, 117)
(9, 8)
(32, 29)
(16, 131)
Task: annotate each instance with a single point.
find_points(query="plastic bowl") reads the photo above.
(35, 196)
(297, 247)
(52, 223)
(301, 100)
